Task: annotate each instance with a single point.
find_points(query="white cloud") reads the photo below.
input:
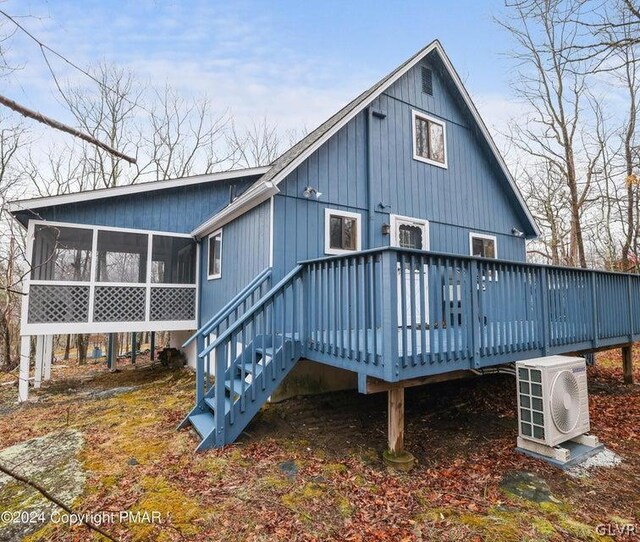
(240, 62)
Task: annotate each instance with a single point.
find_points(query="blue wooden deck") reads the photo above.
(434, 313)
(397, 314)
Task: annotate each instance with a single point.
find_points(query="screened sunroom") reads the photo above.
(92, 279)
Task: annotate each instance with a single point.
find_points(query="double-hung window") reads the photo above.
(429, 140)
(342, 231)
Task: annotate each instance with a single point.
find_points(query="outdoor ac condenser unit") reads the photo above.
(553, 403)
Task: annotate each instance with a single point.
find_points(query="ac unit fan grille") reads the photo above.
(565, 401)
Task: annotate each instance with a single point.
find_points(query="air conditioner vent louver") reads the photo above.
(565, 401)
(553, 404)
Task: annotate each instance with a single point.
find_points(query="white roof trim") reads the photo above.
(36, 203)
(291, 166)
(247, 201)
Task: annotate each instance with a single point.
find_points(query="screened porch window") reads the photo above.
(86, 279)
(429, 140)
(173, 260)
(61, 253)
(342, 231)
(122, 257)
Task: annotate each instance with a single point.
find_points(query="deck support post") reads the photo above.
(152, 347)
(134, 347)
(39, 361)
(627, 364)
(47, 357)
(112, 354)
(396, 456)
(25, 362)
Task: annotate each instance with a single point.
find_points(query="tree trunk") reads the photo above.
(82, 342)
(67, 347)
(6, 344)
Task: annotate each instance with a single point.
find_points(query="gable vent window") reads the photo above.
(427, 81)
(429, 140)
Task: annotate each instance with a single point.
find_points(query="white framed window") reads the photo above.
(429, 139)
(342, 231)
(214, 266)
(483, 245)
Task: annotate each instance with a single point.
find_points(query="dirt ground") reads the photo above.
(310, 468)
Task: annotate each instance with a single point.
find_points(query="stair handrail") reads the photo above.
(254, 308)
(232, 305)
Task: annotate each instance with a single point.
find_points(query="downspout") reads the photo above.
(370, 204)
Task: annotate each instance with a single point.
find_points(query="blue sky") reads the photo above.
(295, 62)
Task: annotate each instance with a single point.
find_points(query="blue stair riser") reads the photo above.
(270, 370)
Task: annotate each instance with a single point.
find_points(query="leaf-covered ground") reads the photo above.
(310, 468)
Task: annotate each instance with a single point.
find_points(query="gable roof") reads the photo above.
(90, 195)
(266, 186)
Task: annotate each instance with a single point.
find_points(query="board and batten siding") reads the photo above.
(245, 253)
(470, 195)
(177, 210)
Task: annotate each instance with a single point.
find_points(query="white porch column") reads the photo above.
(48, 356)
(39, 361)
(25, 361)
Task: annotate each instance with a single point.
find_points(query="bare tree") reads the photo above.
(183, 136)
(257, 145)
(108, 115)
(13, 138)
(609, 27)
(547, 198)
(618, 53)
(556, 94)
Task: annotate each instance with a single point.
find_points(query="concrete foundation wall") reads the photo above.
(312, 378)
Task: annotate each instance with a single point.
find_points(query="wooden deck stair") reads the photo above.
(251, 350)
(248, 382)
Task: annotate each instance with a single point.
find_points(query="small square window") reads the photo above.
(342, 231)
(429, 140)
(483, 246)
(215, 255)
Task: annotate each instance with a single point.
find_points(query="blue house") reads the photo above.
(389, 242)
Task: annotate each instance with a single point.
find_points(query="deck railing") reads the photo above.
(397, 313)
(272, 322)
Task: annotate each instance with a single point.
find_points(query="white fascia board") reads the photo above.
(36, 203)
(247, 201)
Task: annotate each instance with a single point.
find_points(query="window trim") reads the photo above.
(218, 275)
(327, 233)
(414, 115)
(475, 235)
